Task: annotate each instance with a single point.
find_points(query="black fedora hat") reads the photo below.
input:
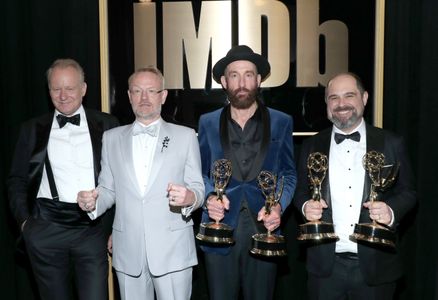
(241, 52)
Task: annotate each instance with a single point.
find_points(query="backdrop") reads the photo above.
(34, 33)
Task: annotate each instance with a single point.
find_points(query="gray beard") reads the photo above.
(344, 125)
(150, 116)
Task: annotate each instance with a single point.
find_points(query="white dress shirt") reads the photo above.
(143, 150)
(346, 177)
(71, 158)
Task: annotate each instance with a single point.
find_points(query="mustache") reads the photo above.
(344, 108)
(144, 103)
(242, 89)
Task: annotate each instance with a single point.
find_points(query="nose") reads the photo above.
(62, 94)
(144, 94)
(242, 81)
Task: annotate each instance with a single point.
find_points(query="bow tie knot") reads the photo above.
(62, 120)
(150, 130)
(339, 137)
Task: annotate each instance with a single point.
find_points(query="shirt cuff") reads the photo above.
(392, 217)
(302, 208)
(187, 211)
(93, 214)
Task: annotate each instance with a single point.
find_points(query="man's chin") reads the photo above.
(242, 104)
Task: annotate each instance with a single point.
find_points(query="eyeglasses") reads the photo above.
(138, 92)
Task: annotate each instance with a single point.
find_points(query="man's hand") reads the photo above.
(87, 200)
(180, 195)
(216, 209)
(273, 219)
(313, 209)
(379, 212)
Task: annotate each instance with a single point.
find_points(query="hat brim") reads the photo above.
(262, 64)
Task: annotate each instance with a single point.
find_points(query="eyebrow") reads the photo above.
(344, 94)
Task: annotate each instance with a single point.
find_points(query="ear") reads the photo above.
(84, 89)
(223, 82)
(129, 96)
(365, 98)
(163, 97)
(259, 80)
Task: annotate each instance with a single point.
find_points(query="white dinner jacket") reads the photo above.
(145, 226)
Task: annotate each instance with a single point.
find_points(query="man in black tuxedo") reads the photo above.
(56, 156)
(346, 269)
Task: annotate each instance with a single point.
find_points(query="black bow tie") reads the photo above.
(62, 120)
(339, 137)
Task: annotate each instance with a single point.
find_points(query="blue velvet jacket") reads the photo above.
(275, 155)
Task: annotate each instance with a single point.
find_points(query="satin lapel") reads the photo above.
(322, 144)
(376, 142)
(225, 140)
(164, 138)
(96, 133)
(125, 146)
(42, 134)
(223, 132)
(260, 157)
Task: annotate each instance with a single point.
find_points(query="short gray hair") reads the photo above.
(63, 63)
(148, 69)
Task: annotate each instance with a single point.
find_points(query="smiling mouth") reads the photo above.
(344, 112)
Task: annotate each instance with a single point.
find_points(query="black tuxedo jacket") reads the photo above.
(28, 161)
(377, 265)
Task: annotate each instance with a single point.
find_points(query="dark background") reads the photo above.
(34, 33)
(305, 104)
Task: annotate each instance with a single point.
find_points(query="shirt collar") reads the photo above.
(80, 111)
(361, 128)
(156, 122)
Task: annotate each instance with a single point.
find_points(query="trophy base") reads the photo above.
(373, 234)
(317, 231)
(268, 245)
(215, 233)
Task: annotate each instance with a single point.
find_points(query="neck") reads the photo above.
(241, 116)
(352, 128)
(147, 122)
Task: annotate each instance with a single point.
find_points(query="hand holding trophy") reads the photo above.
(382, 177)
(317, 165)
(269, 244)
(215, 232)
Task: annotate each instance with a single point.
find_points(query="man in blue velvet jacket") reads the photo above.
(254, 138)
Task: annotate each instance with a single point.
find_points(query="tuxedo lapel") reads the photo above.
(96, 133)
(42, 134)
(376, 142)
(322, 144)
(125, 146)
(260, 157)
(223, 132)
(164, 141)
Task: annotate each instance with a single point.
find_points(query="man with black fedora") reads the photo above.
(254, 138)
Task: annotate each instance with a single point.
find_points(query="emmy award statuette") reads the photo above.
(215, 232)
(382, 177)
(317, 231)
(269, 244)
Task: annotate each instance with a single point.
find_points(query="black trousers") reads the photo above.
(347, 282)
(58, 253)
(240, 272)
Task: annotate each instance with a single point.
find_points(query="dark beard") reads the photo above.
(242, 103)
